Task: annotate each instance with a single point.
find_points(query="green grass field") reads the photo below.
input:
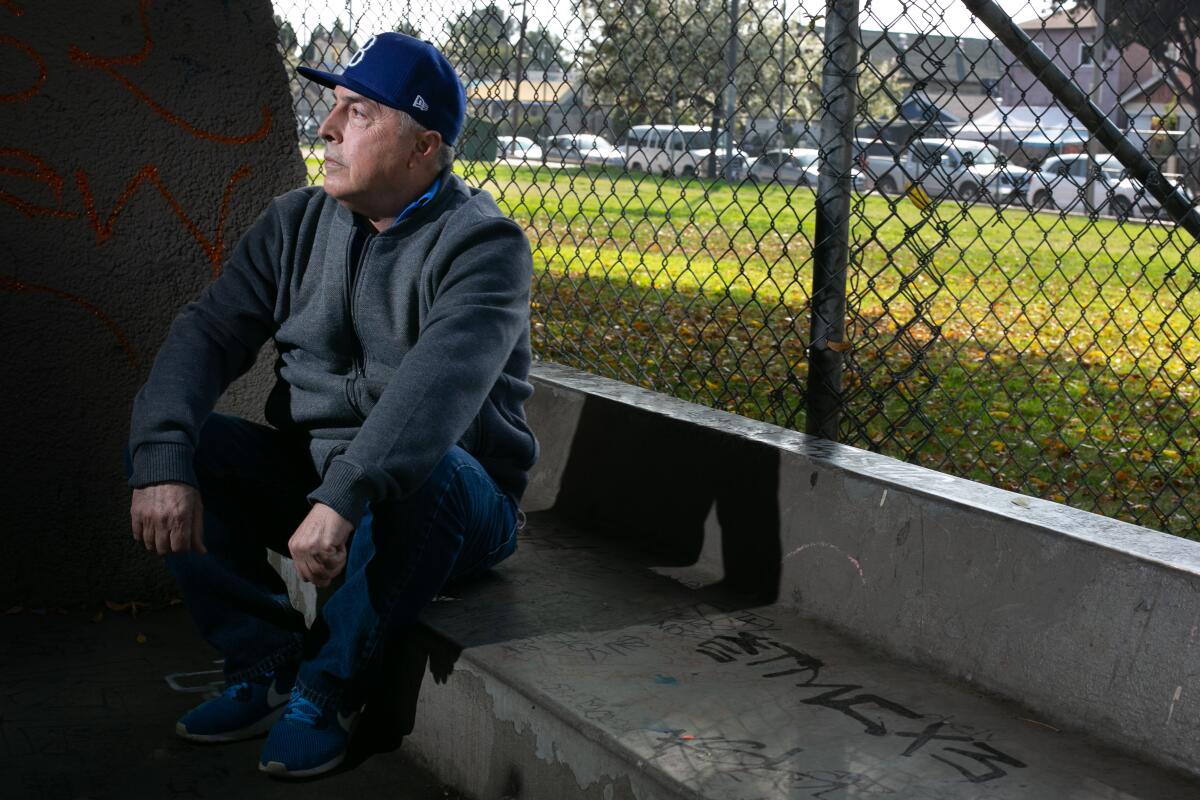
(1046, 354)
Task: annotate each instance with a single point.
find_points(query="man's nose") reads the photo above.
(328, 129)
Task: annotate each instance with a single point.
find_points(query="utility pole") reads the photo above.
(783, 47)
(520, 71)
(731, 55)
(1093, 187)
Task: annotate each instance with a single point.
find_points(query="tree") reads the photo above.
(287, 37)
(543, 50)
(406, 27)
(881, 89)
(479, 43)
(329, 48)
(665, 60)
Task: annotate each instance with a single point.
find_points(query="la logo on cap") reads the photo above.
(420, 103)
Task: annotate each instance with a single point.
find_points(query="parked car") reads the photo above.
(800, 166)
(968, 170)
(518, 148)
(888, 168)
(681, 151)
(1146, 204)
(1060, 182)
(582, 148)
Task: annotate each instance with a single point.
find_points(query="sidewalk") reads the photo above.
(85, 712)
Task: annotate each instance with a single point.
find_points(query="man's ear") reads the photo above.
(428, 143)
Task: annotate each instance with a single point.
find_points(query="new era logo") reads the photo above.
(420, 103)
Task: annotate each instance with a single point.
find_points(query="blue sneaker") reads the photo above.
(306, 741)
(244, 710)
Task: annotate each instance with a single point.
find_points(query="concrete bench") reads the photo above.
(704, 606)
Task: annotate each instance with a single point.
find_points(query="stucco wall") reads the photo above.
(140, 140)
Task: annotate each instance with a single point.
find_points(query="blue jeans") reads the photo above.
(253, 481)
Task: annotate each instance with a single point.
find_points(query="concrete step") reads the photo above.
(584, 667)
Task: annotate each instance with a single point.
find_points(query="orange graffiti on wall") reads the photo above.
(14, 284)
(42, 172)
(24, 165)
(109, 67)
(36, 86)
(149, 173)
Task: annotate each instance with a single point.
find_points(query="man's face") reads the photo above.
(367, 160)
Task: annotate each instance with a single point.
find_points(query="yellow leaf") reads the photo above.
(141, 638)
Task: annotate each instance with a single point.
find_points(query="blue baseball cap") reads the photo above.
(407, 73)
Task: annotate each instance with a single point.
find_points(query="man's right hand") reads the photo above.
(168, 518)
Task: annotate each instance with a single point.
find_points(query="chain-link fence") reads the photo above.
(884, 222)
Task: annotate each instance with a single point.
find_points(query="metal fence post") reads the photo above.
(839, 93)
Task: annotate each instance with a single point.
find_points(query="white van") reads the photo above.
(678, 150)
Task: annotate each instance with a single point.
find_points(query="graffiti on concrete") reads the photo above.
(742, 759)
(36, 169)
(33, 55)
(848, 699)
(569, 644)
(109, 66)
(704, 620)
(12, 284)
(213, 248)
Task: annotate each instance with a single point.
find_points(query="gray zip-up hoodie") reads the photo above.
(385, 363)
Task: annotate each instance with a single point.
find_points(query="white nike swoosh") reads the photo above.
(347, 721)
(275, 698)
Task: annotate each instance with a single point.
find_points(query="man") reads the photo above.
(398, 299)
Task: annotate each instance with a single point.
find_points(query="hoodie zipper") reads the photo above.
(351, 282)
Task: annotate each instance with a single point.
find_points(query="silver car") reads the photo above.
(966, 169)
(583, 148)
(799, 166)
(518, 148)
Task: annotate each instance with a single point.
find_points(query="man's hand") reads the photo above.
(318, 546)
(168, 518)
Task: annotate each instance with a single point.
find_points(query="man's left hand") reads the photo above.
(318, 546)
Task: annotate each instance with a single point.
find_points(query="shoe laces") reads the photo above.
(302, 710)
(237, 691)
